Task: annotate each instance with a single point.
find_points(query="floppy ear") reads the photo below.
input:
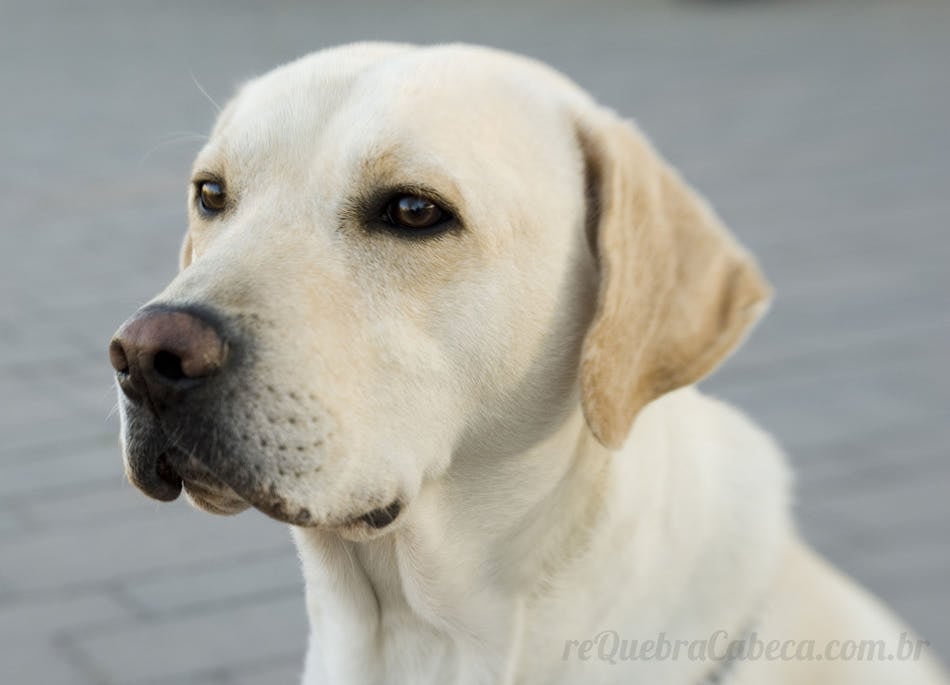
(184, 254)
(677, 293)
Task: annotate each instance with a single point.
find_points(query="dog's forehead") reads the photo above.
(462, 102)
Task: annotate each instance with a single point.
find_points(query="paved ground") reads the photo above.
(820, 130)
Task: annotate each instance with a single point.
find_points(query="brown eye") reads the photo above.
(211, 197)
(413, 212)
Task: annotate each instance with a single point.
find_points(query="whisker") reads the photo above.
(204, 92)
(173, 140)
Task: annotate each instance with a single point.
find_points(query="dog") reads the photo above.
(442, 313)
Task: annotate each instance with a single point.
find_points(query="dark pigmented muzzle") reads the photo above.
(161, 356)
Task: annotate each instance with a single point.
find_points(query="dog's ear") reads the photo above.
(184, 254)
(677, 293)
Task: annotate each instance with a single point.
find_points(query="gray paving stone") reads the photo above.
(833, 404)
(12, 521)
(170, 538)
(43, 619)
(286, 673)
(51, 445)
(886, 455)
(229, 582)
(928, 624)
(40, 664)
(193, 645)
(61, 473)
(98, 504)
(217, 676)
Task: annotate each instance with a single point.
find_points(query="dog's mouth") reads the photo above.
(177, 470)
(383, 516)
(180, 471)
(231, 441)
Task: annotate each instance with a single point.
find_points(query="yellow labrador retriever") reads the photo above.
(441, 313)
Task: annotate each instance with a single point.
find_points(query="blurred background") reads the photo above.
(818, 129)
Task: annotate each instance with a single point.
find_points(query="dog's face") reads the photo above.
(397, 257)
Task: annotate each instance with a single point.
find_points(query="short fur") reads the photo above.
(520, 384)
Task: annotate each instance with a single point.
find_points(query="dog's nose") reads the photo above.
(163, 351)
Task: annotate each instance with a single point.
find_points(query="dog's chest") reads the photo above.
(397, 647)
(376, 621)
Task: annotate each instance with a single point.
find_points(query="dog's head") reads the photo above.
(397, 256)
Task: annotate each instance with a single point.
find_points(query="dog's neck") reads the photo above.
(469, 552)
(484, 574)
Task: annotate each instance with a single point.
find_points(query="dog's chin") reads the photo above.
(223, 501)
(218, 498)
(213, 494)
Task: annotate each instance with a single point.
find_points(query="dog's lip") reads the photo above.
(223, 495)
(170, 482)
(232, 493)
(374, 523)
(213, 499)
(381, 517)
(203, 487)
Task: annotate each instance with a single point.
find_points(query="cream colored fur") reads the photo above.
(521, 385)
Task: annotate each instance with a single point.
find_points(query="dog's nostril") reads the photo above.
(120, 362)
(168, 365)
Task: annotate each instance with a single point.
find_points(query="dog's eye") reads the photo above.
(413, 212)
(211, 197)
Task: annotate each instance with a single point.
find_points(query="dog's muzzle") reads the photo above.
(184, 373)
